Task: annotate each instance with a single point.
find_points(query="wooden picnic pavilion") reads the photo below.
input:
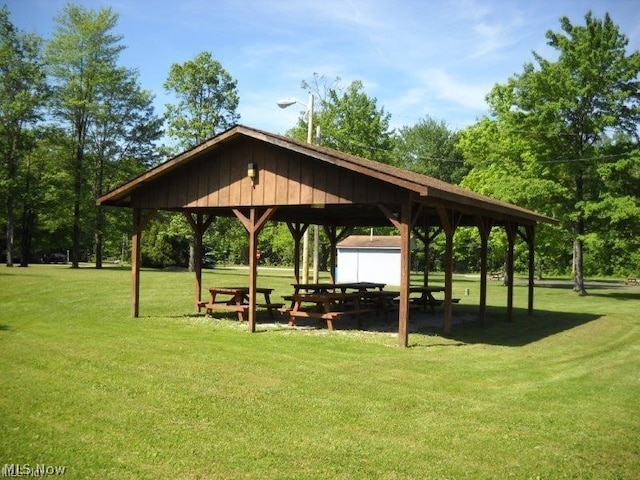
(258, 176)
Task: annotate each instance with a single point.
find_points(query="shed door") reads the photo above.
(369, 265)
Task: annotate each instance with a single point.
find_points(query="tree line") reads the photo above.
(561, 138)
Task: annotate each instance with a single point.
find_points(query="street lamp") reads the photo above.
(316, 234)
(288, 102)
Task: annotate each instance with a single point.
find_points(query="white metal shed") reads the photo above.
(369, 258)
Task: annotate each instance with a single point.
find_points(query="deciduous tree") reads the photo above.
(122, 137)
(429, 147)
(555, 119)
(82, 58)
(22, 94)
(349, 119)
(207, 102)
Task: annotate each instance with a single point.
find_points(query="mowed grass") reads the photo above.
(176, 395)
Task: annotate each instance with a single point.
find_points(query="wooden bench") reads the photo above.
(223, 305)
(631, 281)
(495, 275)
(208, 305)
(420, 302)
(329, 317)
(237, 300)
(241, 310)
(270, 307)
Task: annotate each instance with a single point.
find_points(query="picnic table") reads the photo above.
(426, 298)
(334, 287)
(327, 306)
(237, 300)
(382, 301)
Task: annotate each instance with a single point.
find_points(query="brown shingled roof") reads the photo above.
(425, 187)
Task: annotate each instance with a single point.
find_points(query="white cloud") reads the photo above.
(463, 93)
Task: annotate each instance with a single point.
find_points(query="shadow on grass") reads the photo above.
(618, 295)
(466, 328)
(521, 331)
(589, 286)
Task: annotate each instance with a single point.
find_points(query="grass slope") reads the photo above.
(175, 395)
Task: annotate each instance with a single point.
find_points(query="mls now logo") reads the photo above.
(27, 470)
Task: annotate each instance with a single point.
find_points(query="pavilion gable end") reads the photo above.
(219, 178)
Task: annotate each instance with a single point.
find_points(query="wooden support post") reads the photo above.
(297, 231)
(253, 224)
(423, 235)
(405, 274)
(531, 232)
(332, 234)
(484, 228)
(139, 222)
(253, 269)
(511, 229)
(404, 225)
(528, 235)
(430, 239)
(199, 225)
(426, 240)
(335, 237)
(425, 273)
(449, 221)
(135, 263)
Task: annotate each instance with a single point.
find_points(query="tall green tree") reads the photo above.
(207, 102)
(22, 94)
(121, 140)
(504, 166)
(82, 58)
(556, 117)
(429, 147)
(614, 217)
(349, 119)
(46, 181)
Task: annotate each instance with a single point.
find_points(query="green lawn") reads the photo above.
(175, 395)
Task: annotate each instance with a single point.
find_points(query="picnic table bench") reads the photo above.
(237, 301)
(328, 306)
(382, 301)
(426, 298)
(631, 281)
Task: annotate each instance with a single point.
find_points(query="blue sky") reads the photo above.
(418, 58)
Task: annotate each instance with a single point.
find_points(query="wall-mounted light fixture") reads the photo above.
(251, 173)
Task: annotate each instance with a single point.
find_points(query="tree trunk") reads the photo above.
(192, 254)
(27, 221)
(578, 275)
(540, 274)
(98, 234)
(75, 249)
(9, 244)
(505, 269)
(25, 244)
(11, 170)
(578, 278)
(77, 196)
(97, 246)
